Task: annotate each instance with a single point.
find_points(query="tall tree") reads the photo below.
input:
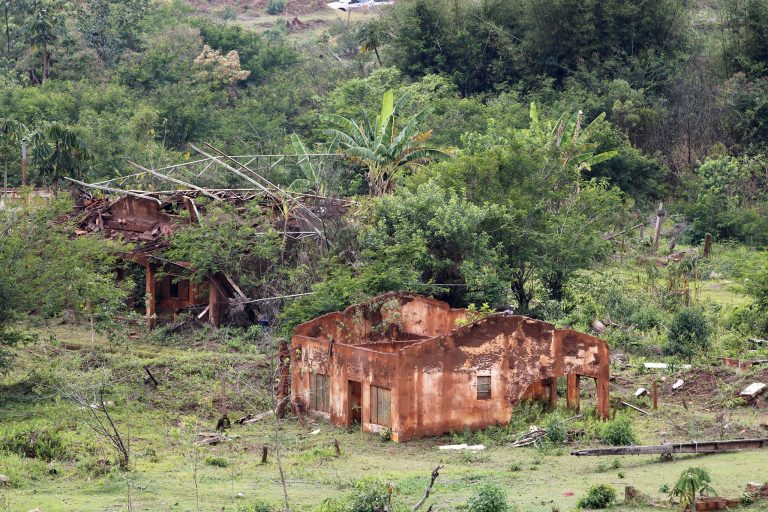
(44, 27)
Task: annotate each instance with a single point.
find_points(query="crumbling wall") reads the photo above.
(433, 374)
(386, 317)
(437, 387)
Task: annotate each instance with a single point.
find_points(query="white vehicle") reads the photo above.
(351, 5)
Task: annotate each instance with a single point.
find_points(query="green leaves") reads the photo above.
(691, 483)
(387, 109)
(379, 147)
(58, 151)
(44, 271)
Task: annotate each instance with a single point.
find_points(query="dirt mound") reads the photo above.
(710, 388)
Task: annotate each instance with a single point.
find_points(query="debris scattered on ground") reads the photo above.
(713, 503)
(534, 435)
(249, 419)
(757, 490)
(464, 446)
(642, 411)
(314, 432)
(753, 390)
(641, 392)
(211, 438)
(664, 366)
(678, 384)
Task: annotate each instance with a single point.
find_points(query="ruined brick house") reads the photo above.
(147, 222)
(400, 362)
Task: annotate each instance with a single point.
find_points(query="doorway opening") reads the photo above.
(355, 403)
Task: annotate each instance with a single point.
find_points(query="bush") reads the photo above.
(257, 506)
(219, 462)
(598, 496)
(489, 498)
(367, 496)
(275, 7)
(619, 432)
(688, 334)
(556, 433)
(35, 443)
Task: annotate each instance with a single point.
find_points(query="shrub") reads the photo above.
(556, 433)
(257, 506)
(275, 7)
(688, 334)
(219, 462)
(619, 432)
(693, 482)
(598, 496)
(35, 443)
(368, 496)
(489, 498)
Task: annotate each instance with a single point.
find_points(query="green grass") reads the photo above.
(161, 425)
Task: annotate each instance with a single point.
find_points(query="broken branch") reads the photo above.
(435, 474)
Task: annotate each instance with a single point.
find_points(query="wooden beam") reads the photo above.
(110, 189)
(214, 303)
(702, 447)
(660, 213)
(636, 408)
(151, 295)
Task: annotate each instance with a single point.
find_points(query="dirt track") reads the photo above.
(259, 7)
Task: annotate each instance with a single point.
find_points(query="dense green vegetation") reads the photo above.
(498, 154)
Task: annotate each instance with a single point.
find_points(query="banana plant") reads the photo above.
(313, 180)
(379, 146)
(572, 139)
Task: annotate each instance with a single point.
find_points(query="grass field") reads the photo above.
(161, 424)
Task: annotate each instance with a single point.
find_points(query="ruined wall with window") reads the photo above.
(400, 362)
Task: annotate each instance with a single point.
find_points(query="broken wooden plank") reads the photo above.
(636, 408)
(210, 438)
(249, 419)
(733, 445)
(235, 288)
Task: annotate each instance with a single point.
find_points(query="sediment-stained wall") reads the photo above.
(411, 346)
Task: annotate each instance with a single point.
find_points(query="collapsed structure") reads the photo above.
(147, 223)
(140, 210)
(401, 362)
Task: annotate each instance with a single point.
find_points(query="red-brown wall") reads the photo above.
(433, 382)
